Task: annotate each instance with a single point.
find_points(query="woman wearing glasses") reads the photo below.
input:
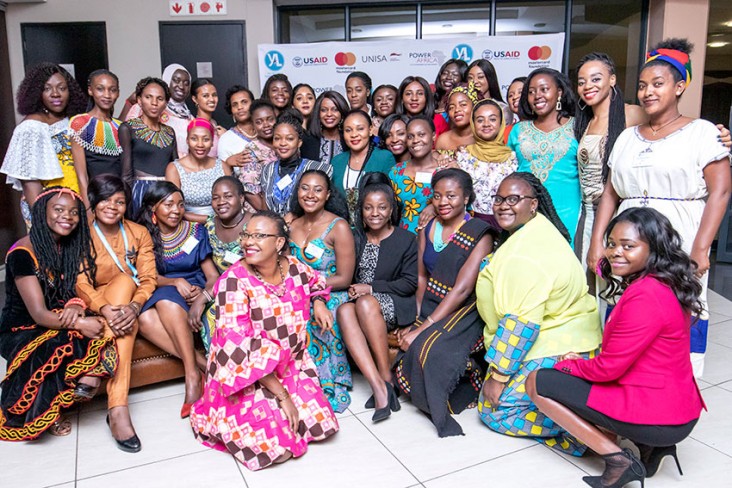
(259, 354)
(530, 323)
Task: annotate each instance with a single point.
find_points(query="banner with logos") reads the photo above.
(325, 65)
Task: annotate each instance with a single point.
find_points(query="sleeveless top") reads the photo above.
(326, 263)
(196, 186)
(590, 153)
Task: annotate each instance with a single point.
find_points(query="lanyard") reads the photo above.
(112, 254)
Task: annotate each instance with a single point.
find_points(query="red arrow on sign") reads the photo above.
(177, 8)
(219, 6)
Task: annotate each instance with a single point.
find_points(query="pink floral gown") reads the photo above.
(258, 333)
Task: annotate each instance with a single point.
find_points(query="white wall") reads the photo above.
(133, 39)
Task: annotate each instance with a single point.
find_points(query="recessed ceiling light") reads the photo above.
(717, 44)
(540, 25)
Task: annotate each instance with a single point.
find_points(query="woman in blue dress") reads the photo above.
(186, 275)
(544, 142)
(321, 238)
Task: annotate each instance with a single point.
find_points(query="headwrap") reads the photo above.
(61, 191)
(678, 59)
(494, 151)
(467, 90)
(180, 109)
(199, 122)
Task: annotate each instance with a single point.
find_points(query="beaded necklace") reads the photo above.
(159, 138)
(173, 243)
(95, 135)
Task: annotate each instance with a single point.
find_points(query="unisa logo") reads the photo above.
(538, 53)
(463, 51)
(274, 60)
(345, 59)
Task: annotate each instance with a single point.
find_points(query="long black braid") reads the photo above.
(616, 117)
(546, 206)
(59, 263)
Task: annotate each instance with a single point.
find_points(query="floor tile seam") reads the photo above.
(709, 446)
(241, 468)
(387, 449)
(141, 465)
(76, 454)
(480, 463)
(569, 460)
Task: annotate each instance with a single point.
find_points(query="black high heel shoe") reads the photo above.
(371, 403)
(621, 468)
(132, 444)
(392, 405)
(652, 458)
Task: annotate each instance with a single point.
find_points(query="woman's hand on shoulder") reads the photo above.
(428, 213)
(724, 136)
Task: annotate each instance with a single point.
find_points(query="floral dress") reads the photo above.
(413, 194)
(326, 348)
(257, 334)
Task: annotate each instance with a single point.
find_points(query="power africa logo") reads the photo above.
(345, 59)
(540, 53)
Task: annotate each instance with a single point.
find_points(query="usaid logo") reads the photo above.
(274, 60)
(297, 62)
(488, 54)
(464, 52)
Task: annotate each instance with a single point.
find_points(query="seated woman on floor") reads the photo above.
(534, 301)
(259, 355)
(641, 385)
(382, 297)
(55, 355)
(441, 366)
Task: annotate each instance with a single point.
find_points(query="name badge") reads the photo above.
(189, 245)
(284, 182)
(314, 250)
(643, 159)
(231, 257)
(423, 177)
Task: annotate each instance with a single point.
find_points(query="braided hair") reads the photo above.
(616, 117)
(546, 206)
(156, 193)
(59, 261)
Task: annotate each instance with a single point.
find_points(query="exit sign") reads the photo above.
(179, 8)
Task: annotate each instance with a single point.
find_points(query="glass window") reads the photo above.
(612, 27)
(312, 25)
(379, 23)
(456, 20)
(717, 94)
(520, 18)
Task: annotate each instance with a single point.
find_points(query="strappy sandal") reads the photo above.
(61, 427)
(84, 392)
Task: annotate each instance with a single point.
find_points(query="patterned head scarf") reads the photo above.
(678, 59)
(466, 89)
(494, 151)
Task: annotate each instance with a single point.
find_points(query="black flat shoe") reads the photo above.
(132, 444)
(621, 468)
(652, 458)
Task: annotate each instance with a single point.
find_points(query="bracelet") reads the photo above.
(501, 378)
(282, 396)
(320, 298)
(136, 306)
(207, 296)
(371, 290)
(76, 301)
(432, 321)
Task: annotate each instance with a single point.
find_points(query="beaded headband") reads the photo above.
(678, 59)
(199, 122)
(60, 191)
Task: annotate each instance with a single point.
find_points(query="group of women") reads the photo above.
(319, 228)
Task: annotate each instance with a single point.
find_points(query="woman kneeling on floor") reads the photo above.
(641, 385)
(259, 358)
(55, 355)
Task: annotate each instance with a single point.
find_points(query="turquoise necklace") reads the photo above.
(438, 244)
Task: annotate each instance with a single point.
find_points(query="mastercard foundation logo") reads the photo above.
(345, 59)
(542, 53)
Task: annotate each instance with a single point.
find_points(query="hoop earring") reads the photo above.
(579, 104)
(615, 93)
(559, 105)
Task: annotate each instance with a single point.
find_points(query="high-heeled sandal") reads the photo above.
(185, 410)
(621, 468)
(84, 392)
(653, 457)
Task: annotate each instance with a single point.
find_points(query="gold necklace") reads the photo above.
(656, 131)
(278, 290)
(221, 222)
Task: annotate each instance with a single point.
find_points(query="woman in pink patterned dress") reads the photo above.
(262, 401)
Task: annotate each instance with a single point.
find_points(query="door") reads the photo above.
(214, 50)
(81, 47)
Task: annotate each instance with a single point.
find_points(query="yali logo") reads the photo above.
(274, 60)
(464, 52)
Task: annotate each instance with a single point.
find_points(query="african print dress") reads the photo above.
(326, 348)
(43, 365)
(413, 194)
(442, 371)
(257, 334)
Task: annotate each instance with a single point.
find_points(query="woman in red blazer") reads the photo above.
(641, 385)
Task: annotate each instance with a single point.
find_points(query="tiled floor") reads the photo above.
(403, 451)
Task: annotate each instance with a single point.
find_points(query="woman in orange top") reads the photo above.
(126, 277)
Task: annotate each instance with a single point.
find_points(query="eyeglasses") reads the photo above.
(511, 200)
(256, 236)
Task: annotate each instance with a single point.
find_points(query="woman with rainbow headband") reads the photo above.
(196, 172)
(55, 354)
(674, 164)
